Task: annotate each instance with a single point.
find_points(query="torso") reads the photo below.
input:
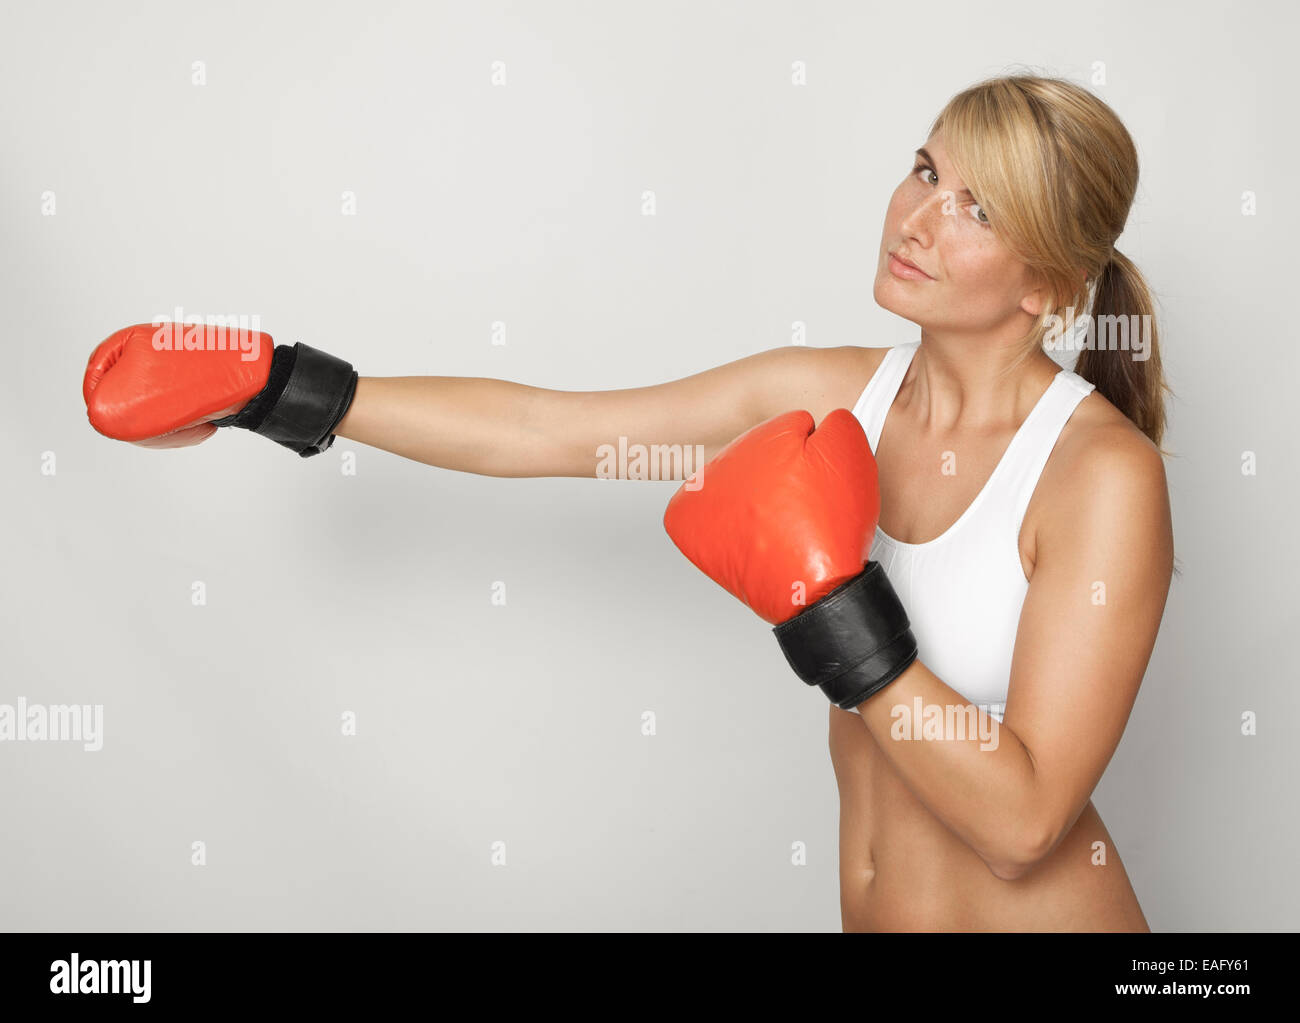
(900, 866)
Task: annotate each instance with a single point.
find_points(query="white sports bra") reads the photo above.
(964, 589)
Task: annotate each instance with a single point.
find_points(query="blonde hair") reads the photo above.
(1055, 170)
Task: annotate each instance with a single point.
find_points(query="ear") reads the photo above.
(1034, 301)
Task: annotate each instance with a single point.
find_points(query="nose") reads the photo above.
(919, 222)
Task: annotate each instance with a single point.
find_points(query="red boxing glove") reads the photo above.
(783, 514)
(142, 383)
(173, 384)
(783, 518)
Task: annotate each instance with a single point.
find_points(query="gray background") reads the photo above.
(329, 593)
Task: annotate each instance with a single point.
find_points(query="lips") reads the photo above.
(908, 262)
(904, 270)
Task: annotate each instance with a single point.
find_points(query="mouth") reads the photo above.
(906, 269)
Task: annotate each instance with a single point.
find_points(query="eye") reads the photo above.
(977, 211)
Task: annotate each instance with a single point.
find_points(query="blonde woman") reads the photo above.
(1024, 520)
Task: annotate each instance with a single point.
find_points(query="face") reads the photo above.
(968, 283)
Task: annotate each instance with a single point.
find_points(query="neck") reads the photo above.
(957, 385)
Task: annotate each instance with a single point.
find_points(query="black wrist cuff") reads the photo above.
(853, 642)
(306, 395)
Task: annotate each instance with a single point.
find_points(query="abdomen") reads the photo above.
(901, 869)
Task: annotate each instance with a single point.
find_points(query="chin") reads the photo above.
(880, 291)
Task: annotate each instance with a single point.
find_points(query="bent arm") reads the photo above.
(1087, 629)
(501, 428)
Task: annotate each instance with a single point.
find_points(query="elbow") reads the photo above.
(1018, 857)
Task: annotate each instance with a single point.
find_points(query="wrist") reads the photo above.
(306, 394)
(853, 642)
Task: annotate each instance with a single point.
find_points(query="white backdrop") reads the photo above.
(196, 155)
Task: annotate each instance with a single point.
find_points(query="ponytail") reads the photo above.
(1129, 376)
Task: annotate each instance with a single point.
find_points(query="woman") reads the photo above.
(1025, 518)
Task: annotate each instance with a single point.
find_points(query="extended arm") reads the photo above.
(500, 428)
(166, 385)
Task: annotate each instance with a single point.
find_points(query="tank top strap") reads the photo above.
(873, 405)
(1006, 495)
(1032, 445)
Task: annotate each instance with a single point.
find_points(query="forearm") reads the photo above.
(969, 770)
(500, 428)
(470, 424)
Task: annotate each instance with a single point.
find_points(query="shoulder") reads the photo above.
(1105, 480)
(818, 379)
(841, 359)
(1100, 441)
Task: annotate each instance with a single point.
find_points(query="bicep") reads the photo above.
(1088, 625)
(703, 412)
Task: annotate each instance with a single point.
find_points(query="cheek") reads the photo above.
(974, 265)
(983, 290)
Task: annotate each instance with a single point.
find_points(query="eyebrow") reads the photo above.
(925, 154)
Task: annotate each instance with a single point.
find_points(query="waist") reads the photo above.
(902, 869)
